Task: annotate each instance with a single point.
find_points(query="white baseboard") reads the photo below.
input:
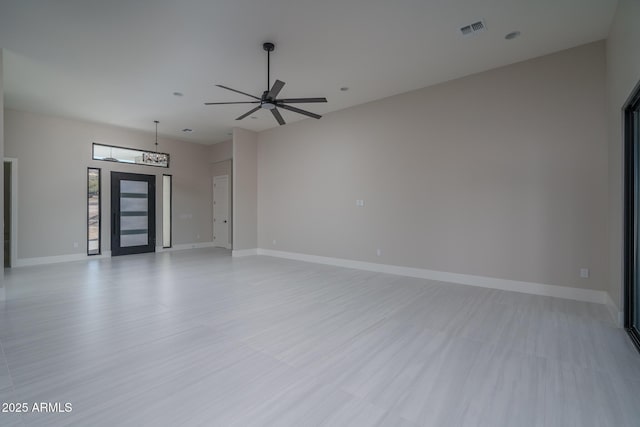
(184, 246)
(587, 295)
(26, 262)
(614, 311)
(244, 252)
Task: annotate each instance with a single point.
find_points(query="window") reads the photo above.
(166, 211)
(93, 211)
(112, 153)
(631, 115)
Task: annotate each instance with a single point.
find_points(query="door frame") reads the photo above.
(116, 250)
(631, 273)
(213, 207)
(13, 259)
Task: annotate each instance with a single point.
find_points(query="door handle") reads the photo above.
(225, 221)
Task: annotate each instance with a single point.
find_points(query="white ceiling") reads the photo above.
(119, 61)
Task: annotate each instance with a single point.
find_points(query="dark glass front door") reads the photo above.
(133, 203)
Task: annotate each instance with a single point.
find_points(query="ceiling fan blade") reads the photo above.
(301, 100)
(278, 116)
(237, 91)
(275, 89)
(224, 103)
(299, 111)
(248, 113)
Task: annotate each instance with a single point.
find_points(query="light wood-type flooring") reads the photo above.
(200, 338)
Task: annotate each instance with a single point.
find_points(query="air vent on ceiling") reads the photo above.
(473, 28)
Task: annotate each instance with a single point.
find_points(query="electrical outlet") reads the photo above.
(379, 252)
(75, 244)
(197, 236)
(274, 242)
(360, 203)
(584, 273)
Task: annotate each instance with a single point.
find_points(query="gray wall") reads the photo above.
(53, 155)
(244, 190)
(500, 174)
(221, 168)
(221, 151)
(623, 73)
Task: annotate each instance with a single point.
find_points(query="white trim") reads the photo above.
(26, 262)
(184, 246)
(587, 295)
(614, 311)
(14, 210)
(244, 252)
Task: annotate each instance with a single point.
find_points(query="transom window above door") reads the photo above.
(111, 153)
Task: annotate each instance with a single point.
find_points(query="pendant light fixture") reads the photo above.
(156, 158)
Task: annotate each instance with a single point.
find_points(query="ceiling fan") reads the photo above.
(269, 100)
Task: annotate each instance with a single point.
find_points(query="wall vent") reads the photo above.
(473, 28)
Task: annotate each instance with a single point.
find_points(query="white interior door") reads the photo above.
(221, 219)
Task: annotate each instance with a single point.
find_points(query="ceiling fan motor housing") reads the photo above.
(266, 102)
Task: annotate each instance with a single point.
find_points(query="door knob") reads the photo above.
(225, 221)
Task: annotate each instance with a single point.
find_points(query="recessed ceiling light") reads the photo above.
(344, 88)
(512, 35)
(178, 94)
(187, 130)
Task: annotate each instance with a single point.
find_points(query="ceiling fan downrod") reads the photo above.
(269, 47)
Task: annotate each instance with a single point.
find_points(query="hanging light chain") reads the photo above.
(156, 122)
